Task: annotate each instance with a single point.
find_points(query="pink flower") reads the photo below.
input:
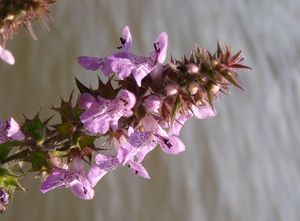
(101, 114)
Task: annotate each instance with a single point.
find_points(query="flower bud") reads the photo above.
(193, 88)
(171, 89)
(152, 103)
(214, 63)
(10, 17)
(214, 88)
(192, 68)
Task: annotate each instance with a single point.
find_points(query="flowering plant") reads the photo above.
(143, 104)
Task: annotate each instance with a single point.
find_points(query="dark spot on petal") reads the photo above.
(124, 101)
(167, 142)
(136, 172)
(84, 190)
(123, 41)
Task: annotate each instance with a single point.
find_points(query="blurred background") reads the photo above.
(243, 165)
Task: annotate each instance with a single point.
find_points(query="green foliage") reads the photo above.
(36, 129)
(8, 181)
(68, 112)
(5, 149)
(38, 161)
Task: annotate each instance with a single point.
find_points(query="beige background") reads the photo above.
(243, 165)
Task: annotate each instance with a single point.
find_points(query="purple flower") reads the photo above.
(141, 143)
(10, 130)
(124, 63)
(72, 178)
(103, 165)
(101, 114)
(6, 56)
(107, 163)
(201, 112)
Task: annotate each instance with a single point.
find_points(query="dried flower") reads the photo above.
(16, 13)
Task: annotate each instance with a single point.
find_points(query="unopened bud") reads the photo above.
(215, 88)
(10, 17)
(171, 89)
(193, 88)
(214, 63)
(192, 68)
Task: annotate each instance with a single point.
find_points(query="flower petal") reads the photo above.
(14, 131)
(161, 46)
(95, 174)
(126, 36)
(152, 103)
(86, 100)
(141, 154)
(90, 63)
(77, 165)
(179, 121)
(121, 66)
(203, 111)
(107, 163)
(140, 72)
(6, 56)
(138, 169)
(172, 145)
(82, 189)
(58, 178)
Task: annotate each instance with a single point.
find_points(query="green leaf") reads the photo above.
(5, 149)
(38, 161)
(9, 181)
(68, 112)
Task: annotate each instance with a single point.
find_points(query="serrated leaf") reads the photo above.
(38, 161)
(68, 112)
(5, 149)
(81, 87)
(35, 128)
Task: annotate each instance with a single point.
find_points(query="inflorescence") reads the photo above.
(142, 105)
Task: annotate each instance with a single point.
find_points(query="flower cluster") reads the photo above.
(142, 105)
(16, 13)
